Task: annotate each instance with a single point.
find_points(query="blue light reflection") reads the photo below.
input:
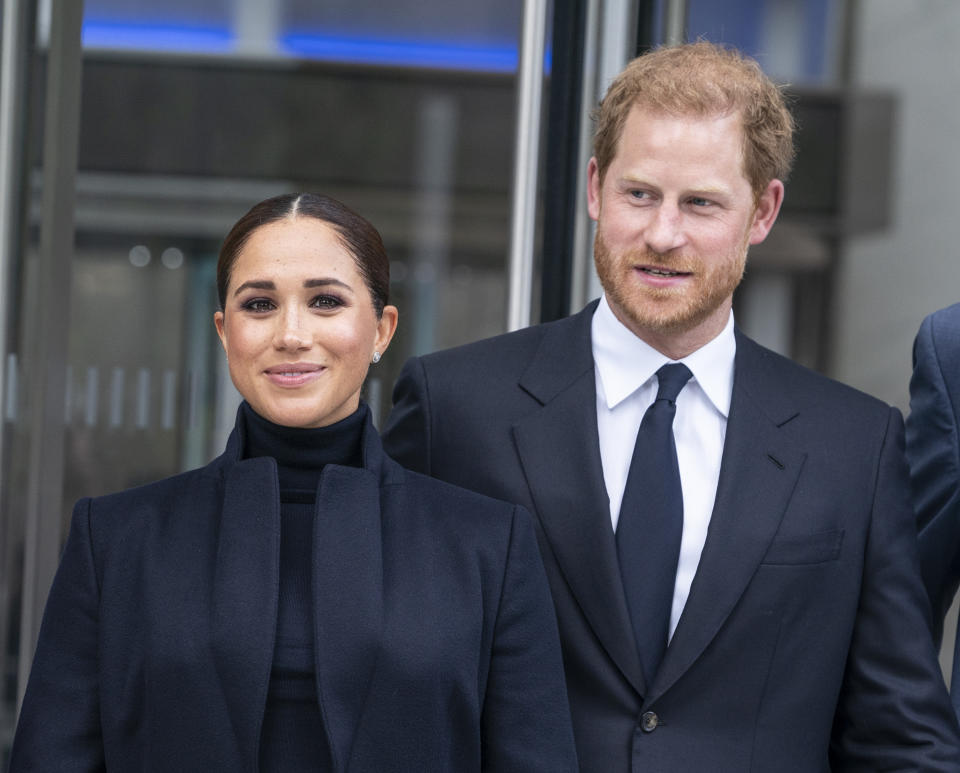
(157, 37)
(398, 52)
(384, 51)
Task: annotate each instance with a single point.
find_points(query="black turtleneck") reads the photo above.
(292, 738)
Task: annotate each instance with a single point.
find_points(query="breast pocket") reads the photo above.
(805, 548)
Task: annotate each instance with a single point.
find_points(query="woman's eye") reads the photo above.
(326, 302)
(258, 305)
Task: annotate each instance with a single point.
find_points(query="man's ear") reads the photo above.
(593, 189)
(767, 209)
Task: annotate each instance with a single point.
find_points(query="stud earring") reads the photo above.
(376, 357)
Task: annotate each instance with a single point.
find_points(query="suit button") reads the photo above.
(649, 721)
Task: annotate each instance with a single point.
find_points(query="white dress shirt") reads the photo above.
(625, 368)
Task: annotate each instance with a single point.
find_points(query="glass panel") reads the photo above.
(795, 42)
(191, 113)
(402, 111)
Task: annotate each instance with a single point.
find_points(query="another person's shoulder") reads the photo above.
(949, 315)
(942, 328)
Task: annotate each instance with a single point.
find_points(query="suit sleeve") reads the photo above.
(932, 451)
(526, 723)
(406, 436)
(893, 712)
(59, 726)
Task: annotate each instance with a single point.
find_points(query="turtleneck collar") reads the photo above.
(301, 454)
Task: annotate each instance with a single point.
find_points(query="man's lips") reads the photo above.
(658, 271)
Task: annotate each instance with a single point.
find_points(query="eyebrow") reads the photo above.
(266, 284)
(709, 190)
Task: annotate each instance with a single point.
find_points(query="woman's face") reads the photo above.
(298, 325)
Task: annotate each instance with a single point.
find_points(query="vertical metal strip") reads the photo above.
(527, 147)
(611, 42)
(583, 231)
(46, 367)
(675, 23)
(13, 88)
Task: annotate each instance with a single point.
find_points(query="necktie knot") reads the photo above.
(671, 379)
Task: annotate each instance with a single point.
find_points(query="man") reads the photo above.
(773, 506)
(933, 450)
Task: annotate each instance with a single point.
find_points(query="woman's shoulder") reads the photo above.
(186, 489)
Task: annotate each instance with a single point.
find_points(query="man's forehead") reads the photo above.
(642, 111)
(716, 125)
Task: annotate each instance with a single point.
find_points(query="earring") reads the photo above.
(376, 357)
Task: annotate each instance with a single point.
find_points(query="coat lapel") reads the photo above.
(245, 594)
(347, 593)
(559, 449)
(347, 586)
(758, 473)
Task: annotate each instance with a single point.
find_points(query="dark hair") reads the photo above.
(356, 233)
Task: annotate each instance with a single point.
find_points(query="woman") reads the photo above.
(302, 603)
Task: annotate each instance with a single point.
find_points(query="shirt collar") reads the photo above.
(625, 362)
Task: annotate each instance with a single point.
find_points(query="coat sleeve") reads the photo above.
(933, 448)
(406, 436)
(526, 725)
(893, 711)
(59, 725)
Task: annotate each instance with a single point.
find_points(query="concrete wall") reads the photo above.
(889, 281)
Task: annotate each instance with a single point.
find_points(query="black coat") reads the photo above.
(435, 636)
(804, 644)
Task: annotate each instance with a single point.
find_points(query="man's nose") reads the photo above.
(665, 231)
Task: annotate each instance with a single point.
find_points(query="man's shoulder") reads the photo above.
(803, 386)
(514, 348)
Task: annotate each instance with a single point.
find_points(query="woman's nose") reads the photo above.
(291, 334)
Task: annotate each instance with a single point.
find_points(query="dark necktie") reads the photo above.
(651, 522)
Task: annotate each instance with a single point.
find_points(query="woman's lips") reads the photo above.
(294, 374)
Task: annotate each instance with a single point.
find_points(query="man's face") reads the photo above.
(675, 215)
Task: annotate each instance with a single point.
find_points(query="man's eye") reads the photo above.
(699, 202)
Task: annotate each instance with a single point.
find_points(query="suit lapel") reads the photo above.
(245, 594)
(758, 473)
(559, 449)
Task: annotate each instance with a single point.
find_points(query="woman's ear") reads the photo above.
(218, 324)
(386, 327)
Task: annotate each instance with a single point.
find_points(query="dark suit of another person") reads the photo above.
(434, 630)
(933, 450)
(806, 616)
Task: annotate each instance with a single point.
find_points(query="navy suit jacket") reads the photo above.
(933, 450)
(805, 643)
(436, 642)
